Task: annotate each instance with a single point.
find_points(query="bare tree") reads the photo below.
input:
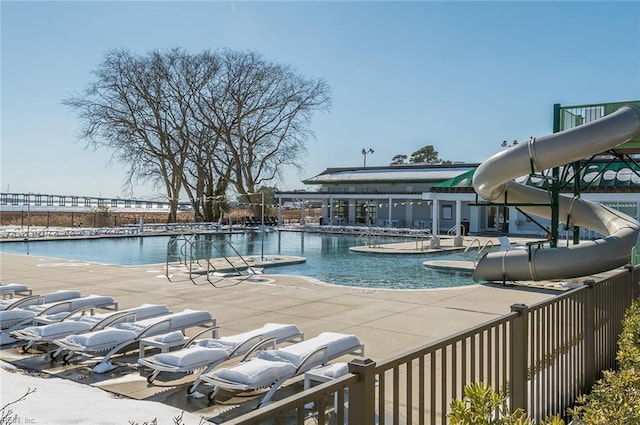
(262, 111)
(199, 124)
(129, 110)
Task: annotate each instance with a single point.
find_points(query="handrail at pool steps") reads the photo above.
(542, 355)
(482, 249)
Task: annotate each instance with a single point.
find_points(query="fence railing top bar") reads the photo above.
(443, 342)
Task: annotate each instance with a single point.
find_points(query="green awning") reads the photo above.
(463, 180)
(595, 175)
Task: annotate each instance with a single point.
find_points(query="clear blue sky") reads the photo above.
(461, 76)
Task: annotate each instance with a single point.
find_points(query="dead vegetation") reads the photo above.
(109, 218)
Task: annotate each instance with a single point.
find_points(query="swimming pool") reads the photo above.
(328, 257)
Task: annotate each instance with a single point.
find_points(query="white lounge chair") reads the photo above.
(272, 368)
(505, 244)
(78, 324)
(39, 314)
(8, 290)
(209, 353)
(51, 297)
(116, 338)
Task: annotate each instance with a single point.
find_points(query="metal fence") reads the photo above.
(542, 356)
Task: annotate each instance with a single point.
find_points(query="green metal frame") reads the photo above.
(564, 118)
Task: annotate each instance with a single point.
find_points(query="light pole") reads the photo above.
(365, 152)
(262, 229)
(28, 220)
(262, 215)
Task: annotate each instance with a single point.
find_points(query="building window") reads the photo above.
(366, 212)
(447, 212)
(341, 210)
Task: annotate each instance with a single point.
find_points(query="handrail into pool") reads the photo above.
(189, 246)
(482, 249)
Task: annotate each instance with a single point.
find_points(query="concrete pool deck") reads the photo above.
(388, 322)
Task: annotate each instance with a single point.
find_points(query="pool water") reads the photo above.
(328, 257)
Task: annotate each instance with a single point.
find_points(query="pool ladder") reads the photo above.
(481, 249)
(371, 237)
(189, 247)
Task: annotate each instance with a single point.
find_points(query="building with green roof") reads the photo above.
(442, 198)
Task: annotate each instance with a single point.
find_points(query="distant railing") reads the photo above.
(543, 356)
(65, 232)
(68, 202)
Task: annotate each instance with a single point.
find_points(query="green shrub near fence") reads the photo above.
(615, 399)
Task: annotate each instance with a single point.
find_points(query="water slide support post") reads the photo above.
(555, 185)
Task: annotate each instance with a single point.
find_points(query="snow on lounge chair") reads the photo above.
(209, 353)
(51, 297)
(271, 368)
(19, 318)
(115, 338)
(11, 289)
(78, 324)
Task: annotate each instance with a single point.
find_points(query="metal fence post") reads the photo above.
(519, 355)
(633, 285)
(589, 336)
(362, 398)
(635, 280)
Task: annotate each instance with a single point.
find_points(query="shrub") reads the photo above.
(484, 406)
(615, 399)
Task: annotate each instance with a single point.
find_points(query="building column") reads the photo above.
(351, 216)
(325, 212)
(303, 204)
(408, 213)
(435, 213)
(457, 240)
(330, 218)
(390, 212)
(458, 217)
